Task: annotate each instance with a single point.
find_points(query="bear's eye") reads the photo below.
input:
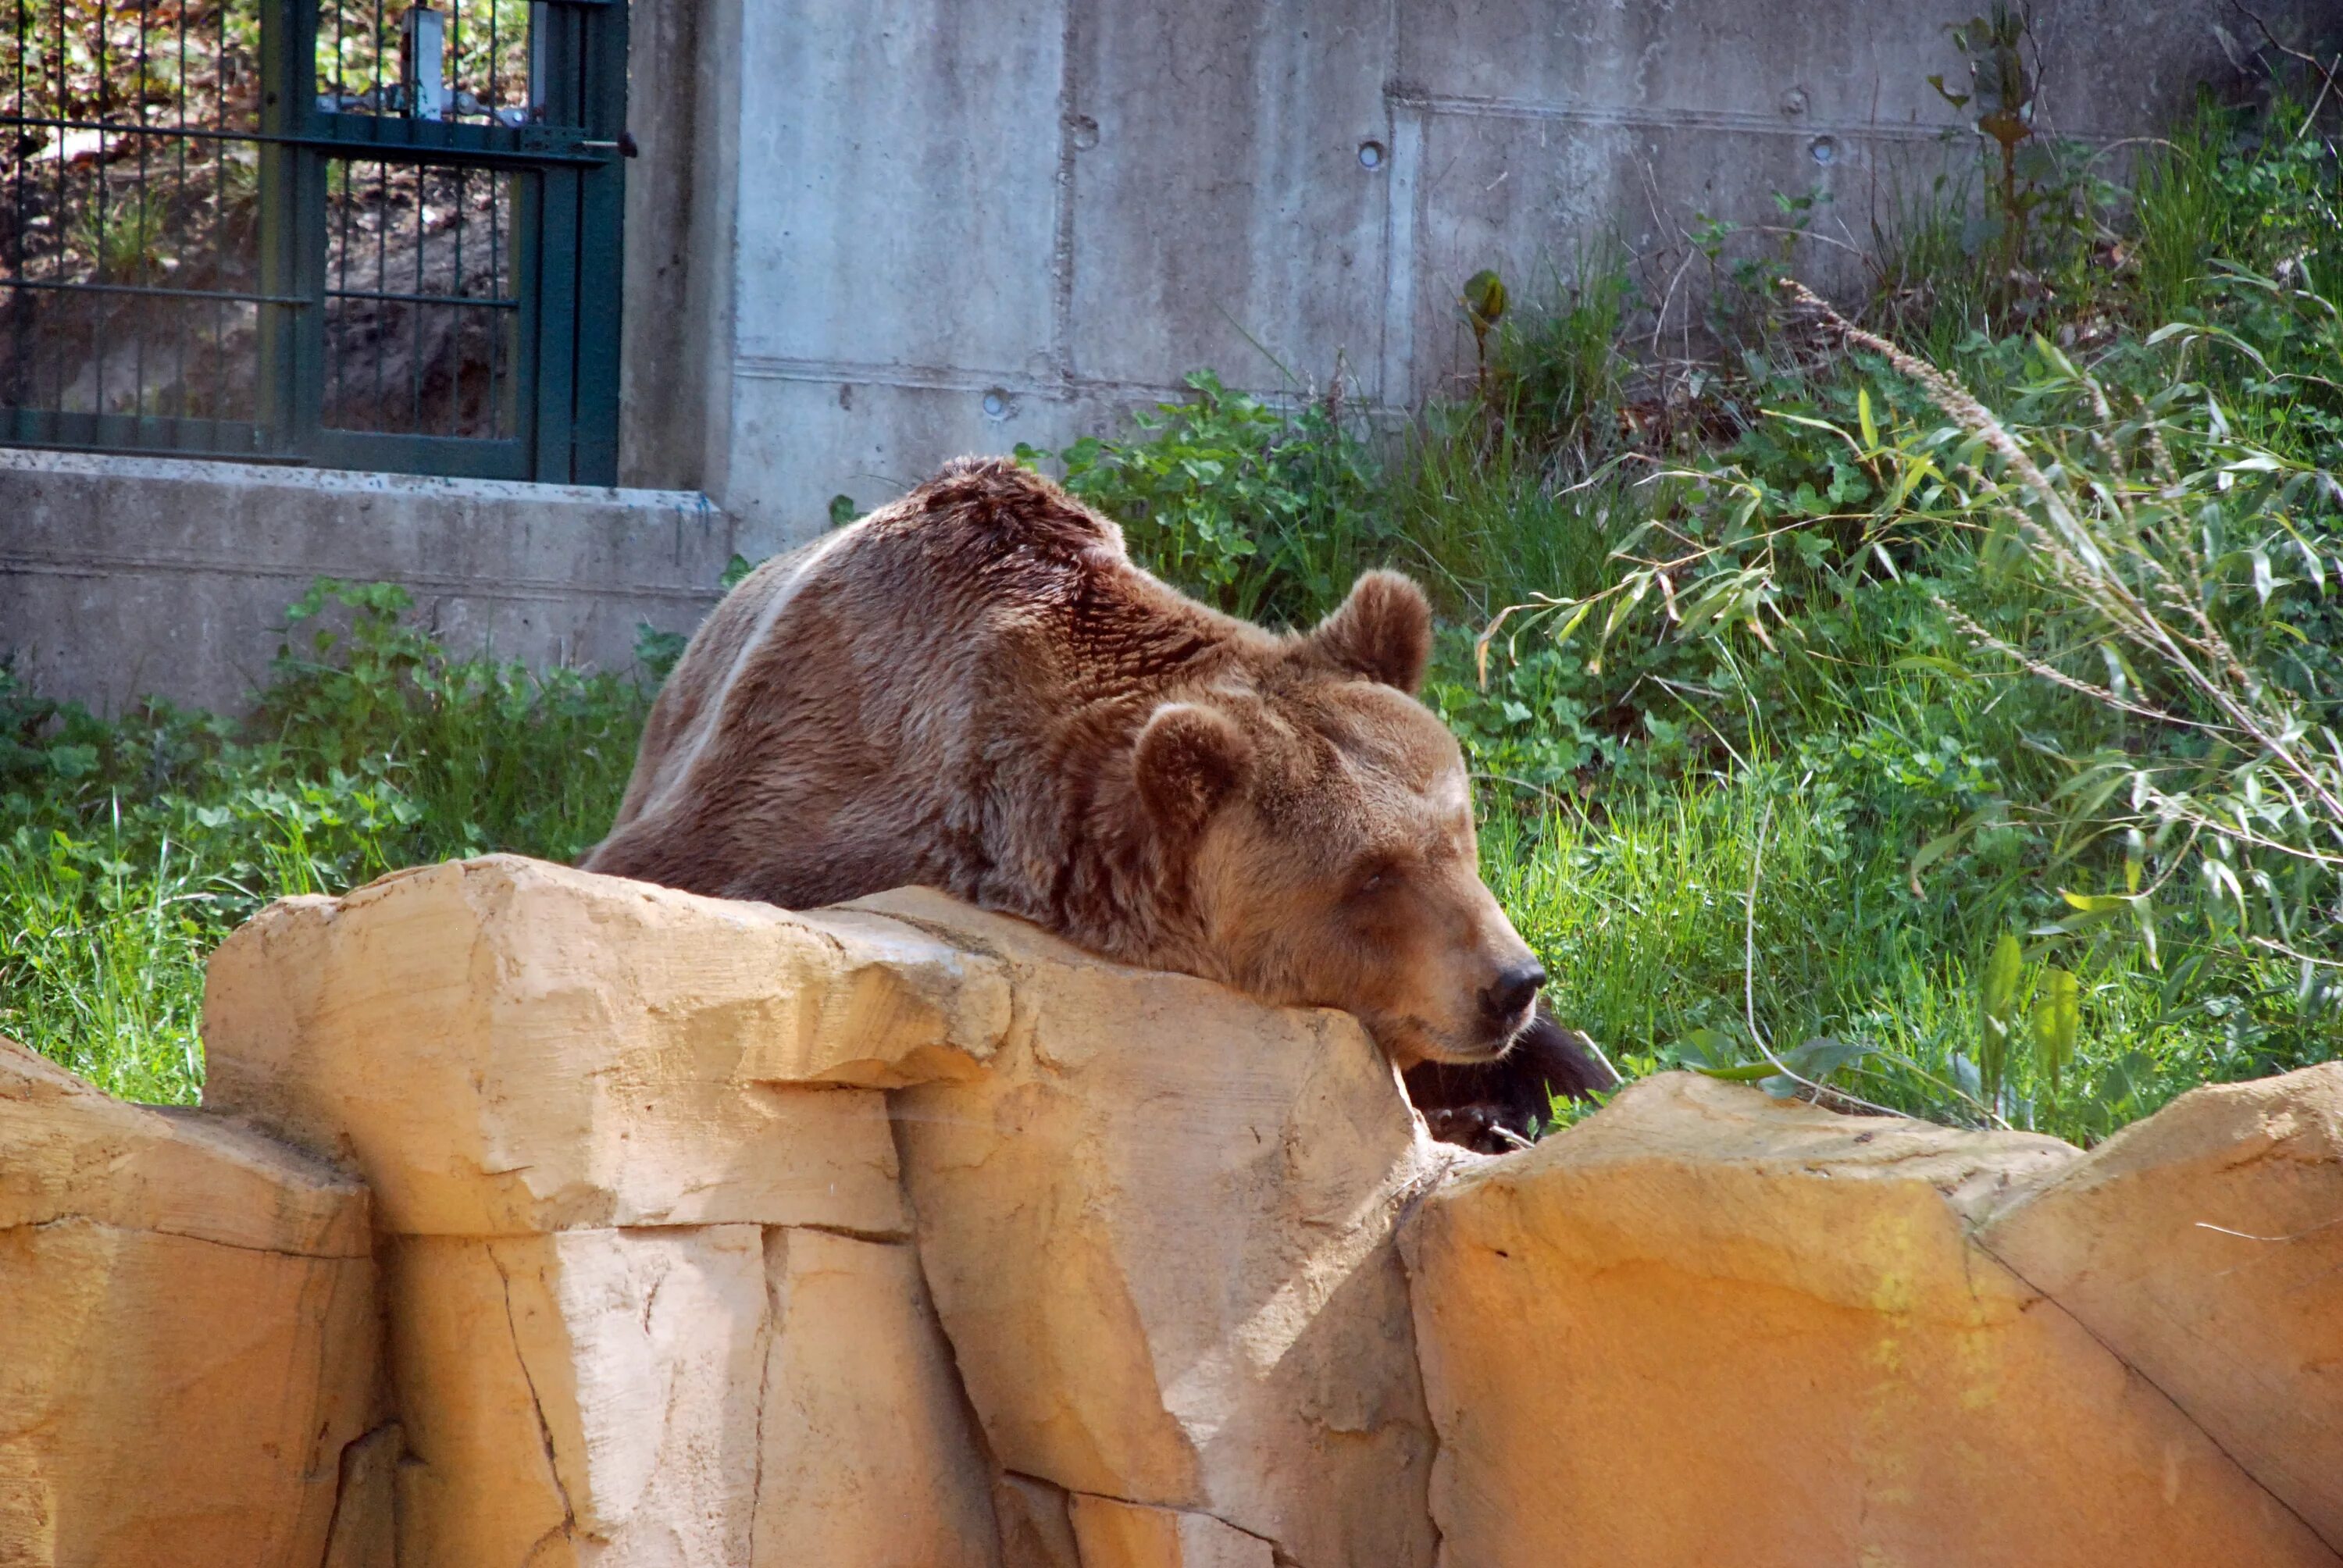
(1378, 879)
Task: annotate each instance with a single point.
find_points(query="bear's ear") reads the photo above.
(1383, 632)
(1188, 761)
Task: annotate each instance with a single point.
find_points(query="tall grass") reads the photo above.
(1644, 916)
(129, 848)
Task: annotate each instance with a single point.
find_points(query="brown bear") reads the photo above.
(975, 688)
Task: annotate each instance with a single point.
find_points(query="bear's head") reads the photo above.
(1323, 821)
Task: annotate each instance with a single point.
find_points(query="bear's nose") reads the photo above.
(1517, 989)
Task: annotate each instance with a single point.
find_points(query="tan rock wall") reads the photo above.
(187, 1334)
(649, 1280)
(504, 1046)
(2205, 1247)
(903, 1236)
(1707, 1327)
(1159, 1228)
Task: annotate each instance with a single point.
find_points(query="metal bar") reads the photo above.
(19, 319)
(504, 346)
(554, 245)
(146, 291)
(292, 180)
(381, 257)
(342, 250)
(115, 127)
(72, 430)
(219, 200)
(179, 158)
(599, 249)
(462, 457)
(415, 364)
(104, 79)
(462, 180)
(378, 138)
(144, 218)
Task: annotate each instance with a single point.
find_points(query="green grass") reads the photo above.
(1782, 808)
(129, 848)
(1645, 919)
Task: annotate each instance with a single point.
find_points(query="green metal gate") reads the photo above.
(335, 232)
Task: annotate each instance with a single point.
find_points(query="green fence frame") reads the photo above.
(567, 204)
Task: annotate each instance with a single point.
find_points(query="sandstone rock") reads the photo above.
(1036, 1523)
(1707, 1327)
(868, 1461)
(1116, 1535)
(1157, 1232)
(688, 1397)
(75, 1153)
(187, 1333)
(365, 1510)
(503, 1046)
(2205, 1247)
(584, 1388)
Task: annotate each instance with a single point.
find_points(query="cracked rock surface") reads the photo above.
(648, 1278)
(186, 1333)
(1159, 1230)
(2205, 1247)
(505, 1046)
(1705, 1326)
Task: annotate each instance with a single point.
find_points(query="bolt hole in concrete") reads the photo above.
(1824, 150)
(1371, 154)
(1085, 131)
(996, 404)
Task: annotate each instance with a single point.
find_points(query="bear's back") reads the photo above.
(871, 690)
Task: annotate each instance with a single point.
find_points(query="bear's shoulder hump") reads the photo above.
(1007, 506)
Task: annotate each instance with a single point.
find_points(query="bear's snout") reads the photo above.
(1507, 1003)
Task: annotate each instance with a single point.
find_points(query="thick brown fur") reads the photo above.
(975, 688)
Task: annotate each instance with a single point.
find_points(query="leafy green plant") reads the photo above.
(1262, 512)
(129, 848)
(2002, 86)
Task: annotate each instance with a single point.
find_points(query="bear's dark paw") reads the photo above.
(1493, 1106)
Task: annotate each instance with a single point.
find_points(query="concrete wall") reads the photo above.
(124, 577)
(938, 227)
(861, 239)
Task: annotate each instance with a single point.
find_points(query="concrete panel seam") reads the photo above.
(941, 378)
(919, 378)
(1400, 222)
(1729, 121)
(88, 564)
(38, 461)
(1062, 249)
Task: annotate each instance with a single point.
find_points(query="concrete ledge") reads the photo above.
(123, 577)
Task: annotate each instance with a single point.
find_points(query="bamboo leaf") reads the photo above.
(1752, 1073)
(2098, 903)
(1571, 625)
(2057, 1020)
